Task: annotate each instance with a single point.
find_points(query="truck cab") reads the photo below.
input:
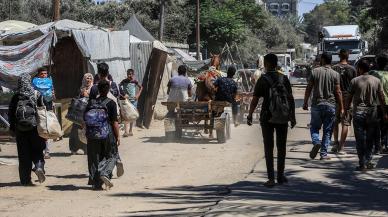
(285, 63)
(348, 37)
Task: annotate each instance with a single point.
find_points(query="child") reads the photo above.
(44, 85)
(128, 87)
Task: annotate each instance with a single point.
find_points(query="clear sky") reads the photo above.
(306, 6)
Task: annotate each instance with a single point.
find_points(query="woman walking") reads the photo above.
(74, 142)
(22, 117)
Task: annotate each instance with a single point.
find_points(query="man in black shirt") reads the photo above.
(262, 89)
(347, 73)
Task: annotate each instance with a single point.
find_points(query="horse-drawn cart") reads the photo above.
(197, 116)
(245, 99)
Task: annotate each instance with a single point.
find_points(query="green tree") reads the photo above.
(331, 12)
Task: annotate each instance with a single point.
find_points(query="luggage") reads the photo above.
(48, 124)
(96, 120)
(76, 110)
(128, 111)
(25, 114)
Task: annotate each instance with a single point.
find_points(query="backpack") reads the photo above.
(25, 114)
(97, 120)
(279, 106)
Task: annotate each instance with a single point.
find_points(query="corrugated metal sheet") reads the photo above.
(140, 54)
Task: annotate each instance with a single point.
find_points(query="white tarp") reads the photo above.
(109, 47)
(24, 58)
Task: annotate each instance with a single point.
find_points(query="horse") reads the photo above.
(205, 90)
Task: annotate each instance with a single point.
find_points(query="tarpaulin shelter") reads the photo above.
(73, 48)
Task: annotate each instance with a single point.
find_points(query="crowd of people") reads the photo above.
(101, 125)
(338, 94)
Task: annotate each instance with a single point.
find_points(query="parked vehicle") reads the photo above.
(334, 38)
(300, 75)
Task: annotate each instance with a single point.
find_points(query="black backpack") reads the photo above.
(25, 114)
(279, 106)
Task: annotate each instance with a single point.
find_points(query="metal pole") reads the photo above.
(56, 8)
(198, 33)
(161, 20)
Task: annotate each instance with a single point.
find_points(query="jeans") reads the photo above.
(30, 148)
(322, 116)
(268, 130)
(365, 130)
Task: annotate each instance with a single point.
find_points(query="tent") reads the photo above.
(14, 26)
(136, 29)
(73, 48)
(69, 47)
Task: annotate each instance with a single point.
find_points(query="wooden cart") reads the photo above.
(197, 116)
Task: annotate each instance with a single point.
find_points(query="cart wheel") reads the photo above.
(178, 133)
(170, 135)
(224, 133)
(227, 126)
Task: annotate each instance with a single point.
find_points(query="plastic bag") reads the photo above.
(128, 111)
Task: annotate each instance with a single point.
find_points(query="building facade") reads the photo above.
(281, 8)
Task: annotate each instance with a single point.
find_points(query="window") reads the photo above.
(274, 7)
(285, 7)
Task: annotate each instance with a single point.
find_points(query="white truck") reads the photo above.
(334, 38)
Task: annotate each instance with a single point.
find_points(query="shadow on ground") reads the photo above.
(342, 190)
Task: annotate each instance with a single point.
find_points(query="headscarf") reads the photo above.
(25, 87)
(85, 82)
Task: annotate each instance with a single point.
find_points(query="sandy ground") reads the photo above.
(185, 178)
(158, 177)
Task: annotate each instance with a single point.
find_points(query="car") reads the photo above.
(370, 58)
(300, 75)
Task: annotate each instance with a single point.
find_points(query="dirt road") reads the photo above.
(160, 178)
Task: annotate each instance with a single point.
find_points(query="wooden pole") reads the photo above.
(10, 9)
(198, 33)
(161, 19)
(56, 8)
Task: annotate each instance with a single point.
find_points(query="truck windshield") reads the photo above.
(336, 46)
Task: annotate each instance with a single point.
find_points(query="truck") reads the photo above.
(334, 38)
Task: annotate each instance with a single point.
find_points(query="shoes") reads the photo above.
(47, 155)
(335, 147)
(40, 174)
(370, 166)
(361, 168)
(106, 181)
(326, 157)
(341, 152)
(282, 180)
(125, 135)
(120, 168)
(314, 151)
(27, 184)
(270, 184)
(130, 134)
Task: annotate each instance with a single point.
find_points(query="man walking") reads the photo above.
(278, 109)
(381, 144)
(347, 73)
(102, 129)
(324, 83)
(365, 91)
